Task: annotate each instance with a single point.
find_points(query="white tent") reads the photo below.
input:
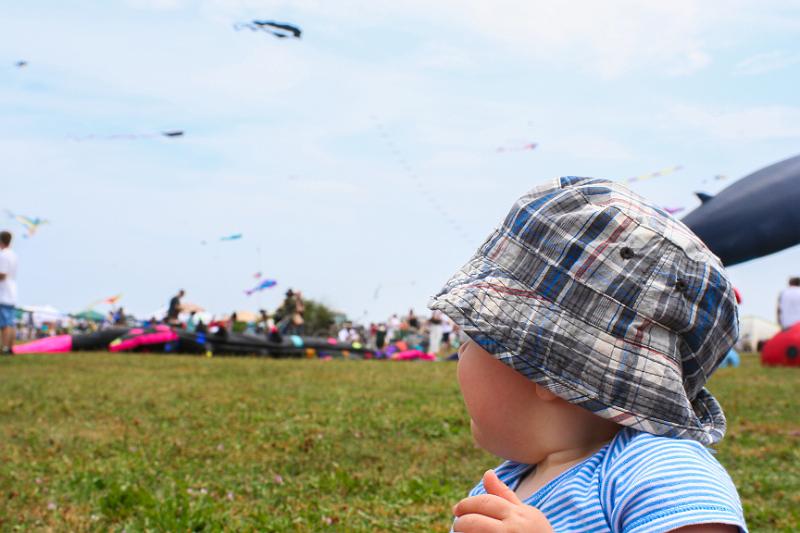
(753, 330)
(44, 314)
(161, 313)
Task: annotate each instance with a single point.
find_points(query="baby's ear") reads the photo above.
(544, 394)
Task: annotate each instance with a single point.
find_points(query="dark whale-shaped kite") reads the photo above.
(755, 216)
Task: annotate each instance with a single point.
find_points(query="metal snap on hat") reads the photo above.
(604, 299)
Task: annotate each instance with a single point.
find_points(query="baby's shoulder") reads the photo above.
(631, 447)
(650, 476)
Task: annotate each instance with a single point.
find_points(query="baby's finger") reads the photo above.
(475, 523)
(484, 504)
(494, 485)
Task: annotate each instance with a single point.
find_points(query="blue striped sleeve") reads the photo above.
(664, 484)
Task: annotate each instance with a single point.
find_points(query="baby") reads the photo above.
(595, 320)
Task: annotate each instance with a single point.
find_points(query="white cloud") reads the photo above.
(589, 147)
(766, 62)
(608, 39)
(158, 5)
(605, 38)
(744, 125)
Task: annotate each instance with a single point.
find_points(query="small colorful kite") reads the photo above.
(281, 30)
(673, 210)
(662, 172)
(257, 275)
(521, 148)
(111, 300)
(31, 224)
(266, 284)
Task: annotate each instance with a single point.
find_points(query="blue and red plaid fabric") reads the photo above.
(603, 298)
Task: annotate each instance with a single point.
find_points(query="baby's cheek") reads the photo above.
(498, 437)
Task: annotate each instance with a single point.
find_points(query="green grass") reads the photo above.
(106, 442)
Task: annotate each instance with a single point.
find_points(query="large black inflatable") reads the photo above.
(167, 340)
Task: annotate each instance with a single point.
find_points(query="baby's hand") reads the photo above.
(498, 510)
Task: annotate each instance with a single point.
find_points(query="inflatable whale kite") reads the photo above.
(755, 216)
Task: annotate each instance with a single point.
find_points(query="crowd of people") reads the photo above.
(437, 334)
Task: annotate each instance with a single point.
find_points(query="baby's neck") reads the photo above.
(554, 464)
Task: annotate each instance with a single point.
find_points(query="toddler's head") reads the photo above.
(615, 311)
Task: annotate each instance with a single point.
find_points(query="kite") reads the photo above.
(755, 216)
(281, 30)
(673, 210)
(111, 300)
(226, 238)
(129, 136)
(31, 224)
(257, 275)
(266, 284)
(21, 64)
(662, 172)
(521, 148)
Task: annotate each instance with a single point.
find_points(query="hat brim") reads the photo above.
(629, 383)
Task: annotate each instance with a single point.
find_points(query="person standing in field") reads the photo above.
(435, 332)
(191, 322)
(789, 304)
(8, 292)
(175, 308)
(393, 328)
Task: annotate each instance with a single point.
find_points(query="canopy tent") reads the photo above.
(188, 307)
(753, 331)
(90, 314)
(246, 316)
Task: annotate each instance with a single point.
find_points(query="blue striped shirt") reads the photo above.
(636, 483)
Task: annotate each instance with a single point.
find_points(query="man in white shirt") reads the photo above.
(789, 304)
(344, 333)
(8, 292)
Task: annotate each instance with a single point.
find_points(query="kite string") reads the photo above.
(414, 177)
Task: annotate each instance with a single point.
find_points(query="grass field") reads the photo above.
(108, 442)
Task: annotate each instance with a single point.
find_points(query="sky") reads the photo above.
(360, 162)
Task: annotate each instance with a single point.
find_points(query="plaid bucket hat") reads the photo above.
(604, 299)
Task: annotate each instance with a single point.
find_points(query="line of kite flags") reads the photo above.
(422, 188)
(527, 147)
(658, 173)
